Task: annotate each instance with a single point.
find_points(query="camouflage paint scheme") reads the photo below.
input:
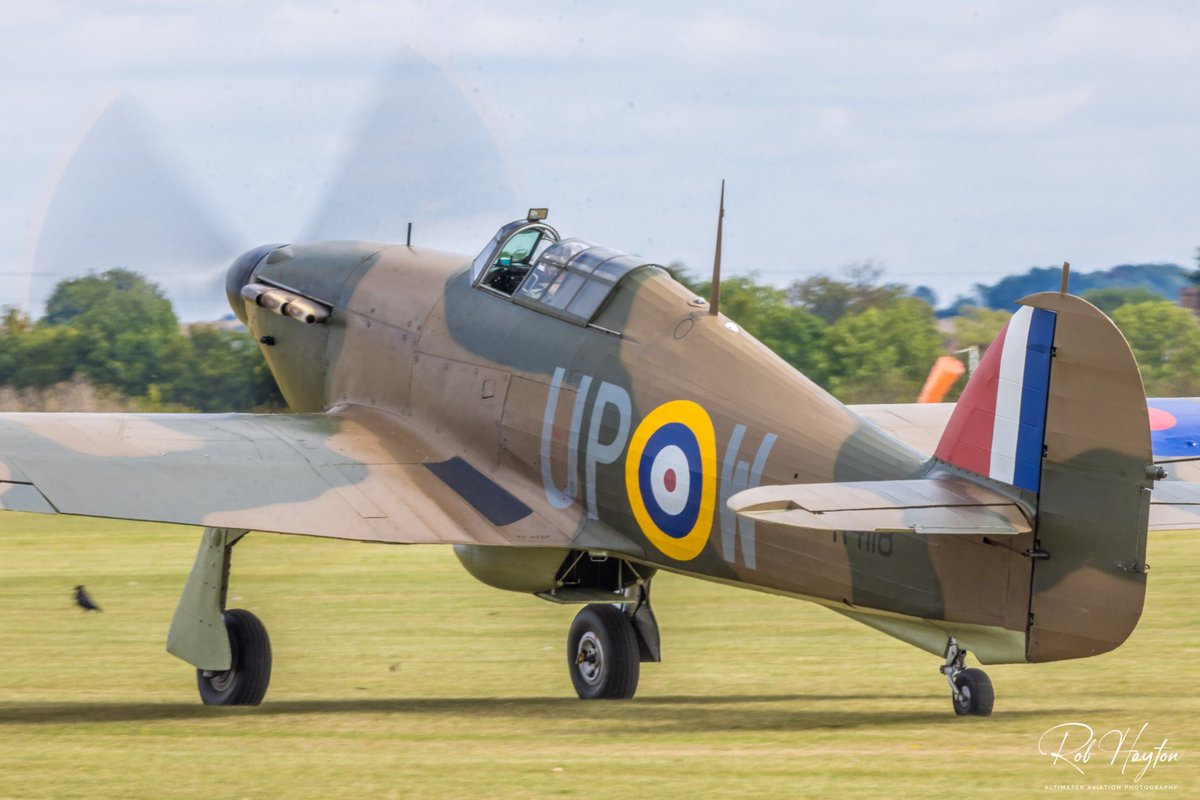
(432, 409)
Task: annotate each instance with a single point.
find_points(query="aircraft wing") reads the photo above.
(918, 425)
(931, 506)
(354, 474)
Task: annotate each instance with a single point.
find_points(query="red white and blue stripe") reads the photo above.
(999, 424)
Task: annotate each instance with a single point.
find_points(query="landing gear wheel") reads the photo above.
(975, 696)
(246, 680)
(602, 653)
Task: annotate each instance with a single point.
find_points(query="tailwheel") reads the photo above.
(974, 695)
(602, 653)
(245, 682)
(971, 689)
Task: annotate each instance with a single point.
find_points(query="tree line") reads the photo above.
(872, 342)
(864, 340)
(117, 331)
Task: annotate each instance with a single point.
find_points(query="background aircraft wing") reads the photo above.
(1174, 428)
(1174, 437)
(355, 474)
(1175, 506)
(918, 425)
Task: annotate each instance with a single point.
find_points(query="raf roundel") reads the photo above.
(670, 476)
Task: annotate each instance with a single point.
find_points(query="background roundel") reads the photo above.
(670, 476)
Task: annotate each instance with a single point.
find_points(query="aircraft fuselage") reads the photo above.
(628, 433)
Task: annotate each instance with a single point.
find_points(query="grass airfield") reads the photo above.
(397, 675)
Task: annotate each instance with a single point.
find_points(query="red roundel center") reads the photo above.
(1161, 420)
(669, 480)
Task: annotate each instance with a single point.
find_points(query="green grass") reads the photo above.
(397, 675)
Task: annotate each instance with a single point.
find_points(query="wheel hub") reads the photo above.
(221, 681)
(589, 658)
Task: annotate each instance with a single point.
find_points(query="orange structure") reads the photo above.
(946, 370)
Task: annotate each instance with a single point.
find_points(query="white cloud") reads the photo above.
(915, 132)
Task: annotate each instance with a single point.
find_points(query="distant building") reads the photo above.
(1189, 297)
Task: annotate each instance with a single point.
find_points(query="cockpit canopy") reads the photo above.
(571, 279)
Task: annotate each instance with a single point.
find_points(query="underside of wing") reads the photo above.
(356, 474)
(942, 506)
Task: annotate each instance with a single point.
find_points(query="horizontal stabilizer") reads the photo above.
(1175, 506)
(933, 506)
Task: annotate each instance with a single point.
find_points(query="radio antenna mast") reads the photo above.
(714, 293)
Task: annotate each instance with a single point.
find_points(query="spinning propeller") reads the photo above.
(422, 155)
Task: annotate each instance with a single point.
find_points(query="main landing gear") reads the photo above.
(229, 649)
(245, 682)
(607, 644)
(971, 689)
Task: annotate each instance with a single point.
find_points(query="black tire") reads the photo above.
(602, 654)
(976, 694)
(245, 682)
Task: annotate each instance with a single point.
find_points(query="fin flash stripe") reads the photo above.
(999, 424)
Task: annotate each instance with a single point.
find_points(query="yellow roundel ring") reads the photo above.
(671, 478)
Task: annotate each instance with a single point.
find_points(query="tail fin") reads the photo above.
(998, 426)
(1056, 409)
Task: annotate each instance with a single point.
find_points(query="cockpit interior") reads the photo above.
(529, 263)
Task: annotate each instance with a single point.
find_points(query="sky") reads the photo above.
(950, 143)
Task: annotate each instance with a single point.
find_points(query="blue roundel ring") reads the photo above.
(670, 477)
(669, 439)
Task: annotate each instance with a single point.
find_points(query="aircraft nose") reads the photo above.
(239, 275)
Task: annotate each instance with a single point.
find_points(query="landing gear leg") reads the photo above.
(230, 649)
(971, 689)
(609, 641)
(645, 626)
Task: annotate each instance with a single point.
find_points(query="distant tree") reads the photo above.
(823, 297)
(1005, 293)
(744, 299)
(35, 355)
(219, 370)
(125, 323)
(925, 294)
(1110, 299)
(796, 336)
(117, 332)
(882, 354)
(977, 327)
(1164, 279)
(684, 275)
(793, 333)
(1165, 338)
(831, 299)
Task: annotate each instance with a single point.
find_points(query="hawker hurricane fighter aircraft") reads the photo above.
(572, 420)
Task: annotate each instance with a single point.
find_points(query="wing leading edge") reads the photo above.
(939, 506)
